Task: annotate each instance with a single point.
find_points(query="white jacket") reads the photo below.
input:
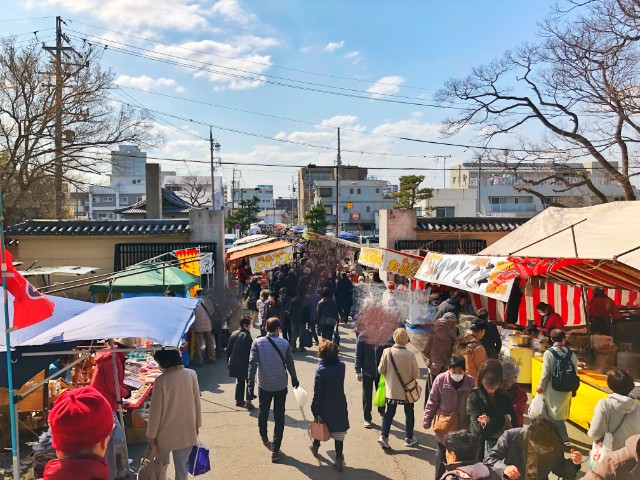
(608, 416)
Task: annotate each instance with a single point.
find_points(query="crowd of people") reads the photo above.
(472, 402)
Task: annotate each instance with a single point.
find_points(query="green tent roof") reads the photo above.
(148, 278)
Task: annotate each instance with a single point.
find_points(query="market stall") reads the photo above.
(561, 256)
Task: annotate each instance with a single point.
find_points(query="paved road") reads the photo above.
(237, 452)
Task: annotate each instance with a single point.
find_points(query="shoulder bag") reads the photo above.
(444, 423)
(600, 449)
(284, 363)
(412, 390)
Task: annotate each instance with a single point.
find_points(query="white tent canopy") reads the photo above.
(162, 319)
(603, 232)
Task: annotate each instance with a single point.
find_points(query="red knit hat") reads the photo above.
(80, 419)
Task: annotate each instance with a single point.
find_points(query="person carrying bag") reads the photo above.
(151, 468)
(412, 390)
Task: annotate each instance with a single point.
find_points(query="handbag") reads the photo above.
(150, 466)
(380, 399)
(444, 423)
(199, 460)
(319, 430)
(412, 390)
(600, 449)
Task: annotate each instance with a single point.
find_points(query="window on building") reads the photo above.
(136, 181)
(351, 191)
(124, 201)
(96, 199)
(618, 199)
(368, 209)
(359, 191)
(325, 191)
(328, 209)
(377, 190)
(138, 199)
(445, 212)
(107, 199)
(345, 210)
(419, 212)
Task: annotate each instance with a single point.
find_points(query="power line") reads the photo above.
(327, 75)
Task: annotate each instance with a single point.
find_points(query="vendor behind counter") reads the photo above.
(602, 311)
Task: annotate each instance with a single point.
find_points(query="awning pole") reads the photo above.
(548, 237)
(119, 401)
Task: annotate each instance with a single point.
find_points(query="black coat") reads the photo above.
(478, 404)
(344, 292)
(298, 316)
(491, 341)
(327, 312)
(368, 357)
(238, 350)
(329, 402)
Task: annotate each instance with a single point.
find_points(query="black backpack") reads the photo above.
(564, 377)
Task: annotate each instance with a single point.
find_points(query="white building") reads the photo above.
(359, 202)
(491, 191)
(264, 193)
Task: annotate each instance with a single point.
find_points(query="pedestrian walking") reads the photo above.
(327, 314)
(313, 298)
(111, 385)
(474, 352)
(366, 365)
(81, 422)
(491, 339)
(534, 451)
(271, 358)
(298, 321)
(251, 295)
(284, 301)
(446, 408)
(202, 328)
(557, 402)
(490, 409)
(344, 296)
(238, 352)
(399, 366)
(261, 305)
(175, 415)
(462, 464)
(618, 413)
(438, 348)
(329, 404)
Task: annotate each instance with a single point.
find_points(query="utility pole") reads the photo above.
(57, 53)
(338, 164)
(233, 188)
(213, 146)
(444, 168)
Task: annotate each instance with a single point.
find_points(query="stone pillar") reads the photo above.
(396, 224)
(153, 190)
(208, 226)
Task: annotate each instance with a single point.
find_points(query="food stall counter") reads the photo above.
(593, 387)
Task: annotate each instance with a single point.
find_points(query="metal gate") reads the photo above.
(127, 254)
(468, 247)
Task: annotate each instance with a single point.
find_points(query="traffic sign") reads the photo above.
(349, 205)
(237, 226)
(355, 216)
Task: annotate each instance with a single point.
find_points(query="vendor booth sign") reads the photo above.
(371, 257)
(400, 264)
(481, 275)
(270, 260)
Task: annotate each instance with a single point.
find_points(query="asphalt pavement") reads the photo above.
(236, 451)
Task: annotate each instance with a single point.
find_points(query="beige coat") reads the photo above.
(407, 367)
(175, 414)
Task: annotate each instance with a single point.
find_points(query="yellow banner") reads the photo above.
(371, 257)
(270, 260)
(189, 260)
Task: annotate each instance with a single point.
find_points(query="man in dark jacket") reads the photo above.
(285, 307)
(367, 359)
(238, 351)
(533, 451)
(452, 304)
(298, 321)
(491, 340)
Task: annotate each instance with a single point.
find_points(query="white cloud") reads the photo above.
(386, 86)
(242, 56)
(183, 15)
(231, 11)
(305, 49)
(146, 83)
(354, 56)
(333, 46)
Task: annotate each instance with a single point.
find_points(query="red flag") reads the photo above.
(29, 305)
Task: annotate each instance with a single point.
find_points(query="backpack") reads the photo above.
(252, 297)
(564, 377)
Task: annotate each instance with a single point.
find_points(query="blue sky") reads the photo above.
(400, 47)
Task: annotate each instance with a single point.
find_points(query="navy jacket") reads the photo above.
(238, 350)
(368, 357)
(329, 402)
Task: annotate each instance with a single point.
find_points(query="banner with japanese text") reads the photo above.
(399, 264)
(189, 260)
(489, 276)
(371, 257)
(270, 260)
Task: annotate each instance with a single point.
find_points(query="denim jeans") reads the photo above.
(390, 413)
(369, 387)
(279, 399)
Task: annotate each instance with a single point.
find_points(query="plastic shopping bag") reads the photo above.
(597, 454)
(537, 406)
(301, 396)
(380, 399)
(199, 460)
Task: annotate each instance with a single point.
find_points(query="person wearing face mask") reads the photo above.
(446, 408)
(533, 453)
(489, 408)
